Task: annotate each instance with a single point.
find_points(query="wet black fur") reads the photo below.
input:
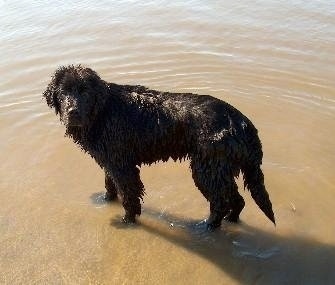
(126, 126)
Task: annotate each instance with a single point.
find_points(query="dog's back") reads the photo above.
(202, 128)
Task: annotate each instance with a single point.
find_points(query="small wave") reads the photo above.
(287, 167)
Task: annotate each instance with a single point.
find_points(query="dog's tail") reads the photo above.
(253, 175)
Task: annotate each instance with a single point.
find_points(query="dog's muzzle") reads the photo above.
(74, 118)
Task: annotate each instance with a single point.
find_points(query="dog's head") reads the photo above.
(76, 93)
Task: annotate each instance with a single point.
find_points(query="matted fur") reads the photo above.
(123, 127)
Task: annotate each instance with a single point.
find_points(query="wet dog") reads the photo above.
(123, 127)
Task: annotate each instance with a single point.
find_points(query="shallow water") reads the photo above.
(273, 60)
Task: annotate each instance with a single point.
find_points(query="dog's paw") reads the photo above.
(232, 218)
(129, 220)
(211, 227)
(109, 197)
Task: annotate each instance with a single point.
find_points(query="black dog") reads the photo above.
(123, 127)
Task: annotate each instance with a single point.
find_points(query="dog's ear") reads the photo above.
(52, 91)
(50, 95)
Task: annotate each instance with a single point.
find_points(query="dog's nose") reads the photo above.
(73, 117)
(73, 112)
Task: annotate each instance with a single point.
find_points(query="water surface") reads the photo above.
(273, 60)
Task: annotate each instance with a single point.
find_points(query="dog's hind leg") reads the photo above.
(236, 205)
(218, 210)
(232, 203)
(209, 184)
(131, 189)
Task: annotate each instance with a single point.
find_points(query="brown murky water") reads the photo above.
(274, 60)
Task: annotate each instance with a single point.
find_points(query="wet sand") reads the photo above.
(273, 61)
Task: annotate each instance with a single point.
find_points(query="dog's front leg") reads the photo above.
(110, 186)
(130, 187)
